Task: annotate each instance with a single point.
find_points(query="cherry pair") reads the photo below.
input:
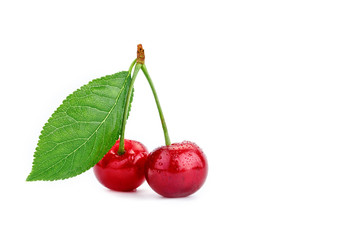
(174, 170)
(177, 170)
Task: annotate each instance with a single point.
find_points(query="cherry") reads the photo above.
(176, 170)
(123, 172)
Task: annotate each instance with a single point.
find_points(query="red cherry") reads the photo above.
(122, 172)
(177, 170)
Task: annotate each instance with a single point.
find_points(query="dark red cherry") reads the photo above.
(122, 172)
(177, 170)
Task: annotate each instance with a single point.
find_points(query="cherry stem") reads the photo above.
(163, 123)
(126, 109)
(131, 66)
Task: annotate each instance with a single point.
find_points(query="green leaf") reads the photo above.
(82, 130)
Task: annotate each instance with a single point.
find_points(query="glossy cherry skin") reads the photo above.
(177, 170)
(122, 172)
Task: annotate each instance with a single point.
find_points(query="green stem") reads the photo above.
(131, 66)
(163, 123)
(126, 109)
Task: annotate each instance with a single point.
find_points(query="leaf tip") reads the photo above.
(30, 178)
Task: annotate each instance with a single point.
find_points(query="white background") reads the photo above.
(269, 89)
